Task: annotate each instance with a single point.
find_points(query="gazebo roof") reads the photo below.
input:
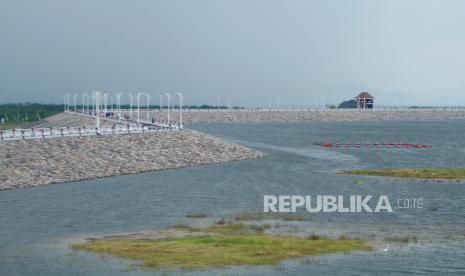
(364, 95)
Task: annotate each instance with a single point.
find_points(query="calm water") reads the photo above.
(38, 224)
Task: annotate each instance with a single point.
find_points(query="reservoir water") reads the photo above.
(37, 225)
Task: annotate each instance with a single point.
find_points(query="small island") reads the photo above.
(219, 245)
(419, 173)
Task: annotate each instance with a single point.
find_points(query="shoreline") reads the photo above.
(197, 117)
(30, 163)
(250, 116)
(320, 116)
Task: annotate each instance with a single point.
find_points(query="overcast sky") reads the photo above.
(302, 51)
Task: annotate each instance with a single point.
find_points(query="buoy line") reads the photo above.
(372, 145)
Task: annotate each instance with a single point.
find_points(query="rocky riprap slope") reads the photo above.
(26, 163)
(249, 116)
(62, 120)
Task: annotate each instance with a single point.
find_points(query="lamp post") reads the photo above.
(138, 107)
(118, 105)
(148, 107)
(65, 98)
(75, 101)
(111, 101)
(92, 99)
(138, 104)
(84, 97)
(180, 110)
(130, 105)
(97, 111)
(105, 102)
(168, 96)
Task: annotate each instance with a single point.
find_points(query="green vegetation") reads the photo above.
(234, 229)
(422, 173)
(196, 215)
(17, 114)
(359, 182)
(401, 239)
(181, 226)
(262, 216)
(348, 104)
(10, 125)
(223, 245)
(14, 115)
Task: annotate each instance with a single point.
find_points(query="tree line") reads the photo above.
(30, 112)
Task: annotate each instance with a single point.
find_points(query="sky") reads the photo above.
(304, 52)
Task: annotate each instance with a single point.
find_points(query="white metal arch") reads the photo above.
(75, 101)
(168, 97)
(105, 101)
(67, 102)
(131, 97)
(118, 104)
(85, 102)
(97, 98)
(181, 98)
(147, 96)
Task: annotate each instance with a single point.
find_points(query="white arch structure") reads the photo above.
(130, 104)
(75, 101)
(168, 97)
(105, 101)
(97, 97)
(96, 104)
(85, 102)
(67, 102)
(118, 104)
(147, 96)
(181, 97)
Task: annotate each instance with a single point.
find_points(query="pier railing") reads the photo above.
(43, 133)
(113, 118)
(303, 109)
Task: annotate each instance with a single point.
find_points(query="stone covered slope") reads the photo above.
(39, 162)
(318, 116)
(66, 120)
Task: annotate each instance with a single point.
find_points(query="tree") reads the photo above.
(348, 104)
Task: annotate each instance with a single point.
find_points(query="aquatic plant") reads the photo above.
(223, 245)
(420, 173)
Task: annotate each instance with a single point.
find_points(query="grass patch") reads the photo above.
(315, 237)
(234, 229)
(231, 244)
(196, 215)
(181, 226)
(421, 173)
(10, 125)
(401, 239)
(261, 216)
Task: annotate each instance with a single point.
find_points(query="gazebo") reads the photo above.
(364, 100)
